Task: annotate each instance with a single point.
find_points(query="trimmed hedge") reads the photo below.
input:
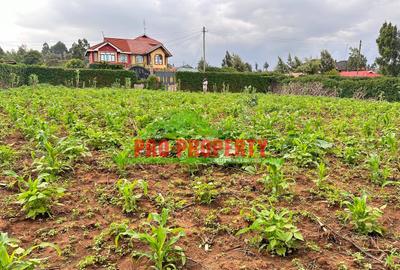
(61, 76)
(385, 88)
(232, 82)
(105, 65)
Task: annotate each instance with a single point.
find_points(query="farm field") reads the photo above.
(326, 196)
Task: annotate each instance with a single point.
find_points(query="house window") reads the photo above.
(139, 59)
(158, 59)
(107, 57)
(123, 58)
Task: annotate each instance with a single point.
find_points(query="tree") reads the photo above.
(78, 50)
(45, 48)
(2, 53)
(290, 62)
(239, 65)
(200, 65)
(356, 61)
(310, 66)
(266, 66)
(389, 50)
(297, 62)
(327, 62)
(32, 57)
(281, 67)
(227, 61)
(59, 49)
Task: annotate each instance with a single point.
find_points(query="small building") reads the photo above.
(141, 51)
(361, 73)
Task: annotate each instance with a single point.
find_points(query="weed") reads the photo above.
(205, 193)
(275, 181)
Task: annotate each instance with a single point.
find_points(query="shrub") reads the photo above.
(33, 80)
(129, 194)
(152, 82)
(75, 63)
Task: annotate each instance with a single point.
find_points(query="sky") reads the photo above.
(257, 30)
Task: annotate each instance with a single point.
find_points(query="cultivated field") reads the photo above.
(325, 197)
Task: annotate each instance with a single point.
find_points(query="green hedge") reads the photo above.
(104, 65)
(236, 82)
(61, 76)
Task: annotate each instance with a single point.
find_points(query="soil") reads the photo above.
(87, 210)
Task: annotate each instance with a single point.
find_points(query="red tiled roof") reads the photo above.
(362, 73)
(140, 45)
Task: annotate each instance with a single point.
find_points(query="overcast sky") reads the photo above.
(257, 30)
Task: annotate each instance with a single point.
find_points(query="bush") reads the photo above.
(75, 63)
(105, 65)
(14, 75)
(221, 81)
(152, 82)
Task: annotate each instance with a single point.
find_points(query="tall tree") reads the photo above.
(227, 61)
(59, 49)
(239, 64)
(45, 48)
(32, 57)
(327, 62)
(266, 66)
(2, 53)
(78, 49)
(356, 61)
(297, 62)
(290, 62)
(281, 66)
(200, 65)
(389, 50)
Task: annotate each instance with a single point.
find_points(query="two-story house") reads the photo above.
(141, 51)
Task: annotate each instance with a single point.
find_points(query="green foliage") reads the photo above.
(32, 58)
(389, 49)
(33, 80)
(327, 62)
(363, 217)
(205, 192)
(161, 240)
(356, 61)
(37, 196)
(105, 65)
(193, 81)
(129, 193)
(275, 182)
(7, 154)
(152, 82)
(179, 124)
(60, 76)
(275, 230)
(75, 63)
(379, 175)
(13, 257)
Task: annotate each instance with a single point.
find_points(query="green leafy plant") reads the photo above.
(379, 175)
(363, 217)
(322, 173)
(13, 257)
(275, 180)
(37, 196)
(161, 241)
(392, 261)
(275, 230)
(130, 194)
(205, 193)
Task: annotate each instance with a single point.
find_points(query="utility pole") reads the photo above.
(204, 48)
(359, 57)
(144, 27)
